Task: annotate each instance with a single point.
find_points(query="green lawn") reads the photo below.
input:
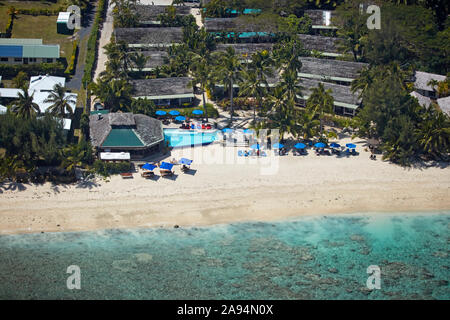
(4, 6)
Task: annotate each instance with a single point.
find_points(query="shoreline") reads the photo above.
(218, 193)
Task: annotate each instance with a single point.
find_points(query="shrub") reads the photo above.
(73, 58)
(238, 104)
(106, 169)
(92, 43)
(35, 69)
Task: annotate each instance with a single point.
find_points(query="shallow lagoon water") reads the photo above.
(324, 257)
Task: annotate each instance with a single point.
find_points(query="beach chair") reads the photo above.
(126, 175)
(147, 174)
(165, 172)
(192, 126)
(184, 169)
(203, 127)
(354, 153)
(208, 127)
(263, 154)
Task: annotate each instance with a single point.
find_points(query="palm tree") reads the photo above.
(228, 72)
(24, 106)
(139, 60)
(321, 101)
(433, 133)
(72, 157)
(114, 94)
(308, 123)
(61, 101)
(252, 86)
(201, 74)
(365, 79)
(290, 85)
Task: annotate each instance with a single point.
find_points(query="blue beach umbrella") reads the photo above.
(180, 118)
(174, 112)
(319, 145)
(197, 111)
(227, 130)
(254, 146)
(350, 145)
(148, 166)
(166, 165)
(248, 131)
(278, 145)
(299, 145)
(335, 145)
(185, 161)
(160, 113)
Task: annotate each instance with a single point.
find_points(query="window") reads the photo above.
(32, 59)
(18, 59)
(4, 59)
(49, 60)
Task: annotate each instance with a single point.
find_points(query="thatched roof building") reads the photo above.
(160, 88)
(326, 69)
(154, 59)
(149, 37)
(148, 14)
(245, 49)
(422, 80)
(326, 45)
(240, 24)
(444, 104)
(342, 95)
(423, 101)
(135, 133)
(321, 19)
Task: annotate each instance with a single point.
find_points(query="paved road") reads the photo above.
(85, 31)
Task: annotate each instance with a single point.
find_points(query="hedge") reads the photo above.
(41, 12)
(92, 43)
(73, 58)
(35, 69)
(108, 168)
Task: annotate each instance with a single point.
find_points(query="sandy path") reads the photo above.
(105, 36)
(220, 193)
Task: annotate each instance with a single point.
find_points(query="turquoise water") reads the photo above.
(187, 138)
(308, 258)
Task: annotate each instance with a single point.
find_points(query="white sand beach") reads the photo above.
(220, 193)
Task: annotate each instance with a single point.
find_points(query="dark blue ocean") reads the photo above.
(322, 257)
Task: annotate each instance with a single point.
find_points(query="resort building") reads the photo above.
(423, 101)
(321, 19)
(422, 83)
(245, 50)
(444, 104)
(137, 135)
(165, 91)
(342, 72)
(25, 51)
(148, 15)
(327, 46)
(242, 29)
(345, 102)
(150, 38)
(154, 59)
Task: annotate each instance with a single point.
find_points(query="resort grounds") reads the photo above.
(227, 189)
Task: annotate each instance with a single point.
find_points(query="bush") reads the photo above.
(73, 58)
(40, 12)
(106, 169)
(238, 104)
(212, 112)
(11, 70)
(92, 43)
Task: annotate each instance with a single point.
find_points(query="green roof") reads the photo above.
(17, 41)
(122, 138)
(41, 51)
(105, 111)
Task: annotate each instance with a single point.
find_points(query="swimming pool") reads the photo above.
(188, 138)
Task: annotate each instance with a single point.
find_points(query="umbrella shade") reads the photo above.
(166, 165)
(160, 113)
(350, 145)
(299, 145)
(185, 161)
(174, 112)
(197, 111)
(227, 130)
(278, 145)
(248, 131)
(180, 118)
(255, 146)
(148, 166)
(335, 145)
(319, 145)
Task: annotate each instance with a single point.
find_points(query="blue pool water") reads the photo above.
(187, 138)
(309, 258)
